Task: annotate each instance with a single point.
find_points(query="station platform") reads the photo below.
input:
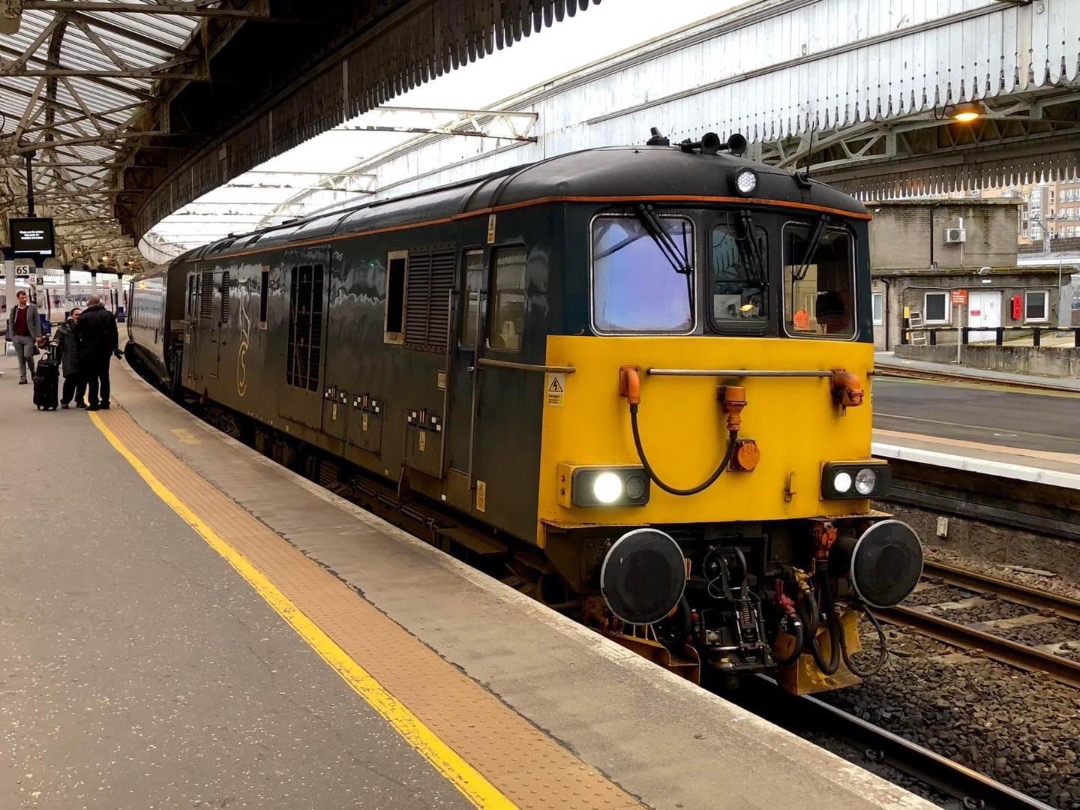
(1024, 433)
(187, 624)
(1018, 464)
(887, 362)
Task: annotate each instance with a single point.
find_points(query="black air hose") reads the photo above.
(732, 437)
(835, 635)
(796, 628)
(809, 614)
(883, 649)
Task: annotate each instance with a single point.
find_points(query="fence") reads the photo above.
(1037, 333)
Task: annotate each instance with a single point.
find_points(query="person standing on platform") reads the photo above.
(67, 355)
(97, 339)
(24, 328)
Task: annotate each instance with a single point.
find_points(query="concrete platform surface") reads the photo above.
(141, 671)
(138, 671)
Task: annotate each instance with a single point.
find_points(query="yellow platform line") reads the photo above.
(446, 761)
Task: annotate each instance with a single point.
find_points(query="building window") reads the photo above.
(305, 327)
(1036, 306)
(508, 306)
(879, 309)
(936, 307)
(394, 323)
(264, 297)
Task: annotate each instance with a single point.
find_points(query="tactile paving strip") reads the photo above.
(527, 766)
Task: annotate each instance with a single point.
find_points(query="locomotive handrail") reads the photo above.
(731, 372)
(484, 361)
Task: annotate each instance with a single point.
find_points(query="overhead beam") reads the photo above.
(184, 9)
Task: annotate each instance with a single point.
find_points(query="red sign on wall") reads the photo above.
(959, 298)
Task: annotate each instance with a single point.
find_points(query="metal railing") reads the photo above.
(1037, 333)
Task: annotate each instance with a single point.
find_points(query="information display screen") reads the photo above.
(32, 237)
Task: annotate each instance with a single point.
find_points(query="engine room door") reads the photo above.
(307, 289)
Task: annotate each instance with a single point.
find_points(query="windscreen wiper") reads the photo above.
(753, 250)
(811, 249)
(651, 222)
(680, 262)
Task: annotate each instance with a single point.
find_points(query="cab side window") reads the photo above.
(469, 329)
(508, 301)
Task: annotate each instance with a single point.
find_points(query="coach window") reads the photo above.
(469, 329)
(394, 323)
(819, 280)
(508, 304)
(636, 286)
(264, 296)
(739, 273)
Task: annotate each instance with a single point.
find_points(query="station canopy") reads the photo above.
(339, 168)
(77, 80)
(83, 81)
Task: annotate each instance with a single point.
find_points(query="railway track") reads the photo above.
(978, 636)
(956, 374)
(969, 788)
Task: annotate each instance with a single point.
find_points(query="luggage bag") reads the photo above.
(47, 384)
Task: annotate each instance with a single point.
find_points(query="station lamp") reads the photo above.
(966, 112)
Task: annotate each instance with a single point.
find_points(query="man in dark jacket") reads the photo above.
(97, 339)
(67, 355)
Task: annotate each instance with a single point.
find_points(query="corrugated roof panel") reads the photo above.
(107, 43)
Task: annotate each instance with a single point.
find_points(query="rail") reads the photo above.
(970, 787)
(1012, 591)
(999, 333)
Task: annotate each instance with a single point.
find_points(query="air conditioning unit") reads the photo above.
(954, 236)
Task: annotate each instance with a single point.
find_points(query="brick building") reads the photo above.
(943, 233)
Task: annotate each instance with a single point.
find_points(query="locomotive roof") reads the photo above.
(591, 174)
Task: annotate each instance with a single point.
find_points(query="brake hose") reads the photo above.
(732, 436)
(883, 649)
(836, 634)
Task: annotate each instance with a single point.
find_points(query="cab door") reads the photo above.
(508, 388)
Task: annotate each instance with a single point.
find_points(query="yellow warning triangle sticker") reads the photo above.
(555, 387)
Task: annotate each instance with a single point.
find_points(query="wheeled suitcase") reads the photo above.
(47, 384)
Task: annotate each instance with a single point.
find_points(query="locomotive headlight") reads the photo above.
(587, 485)
(842, 482)
(865, 481)
(745, 182)
(855, 479)
(607, 487)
